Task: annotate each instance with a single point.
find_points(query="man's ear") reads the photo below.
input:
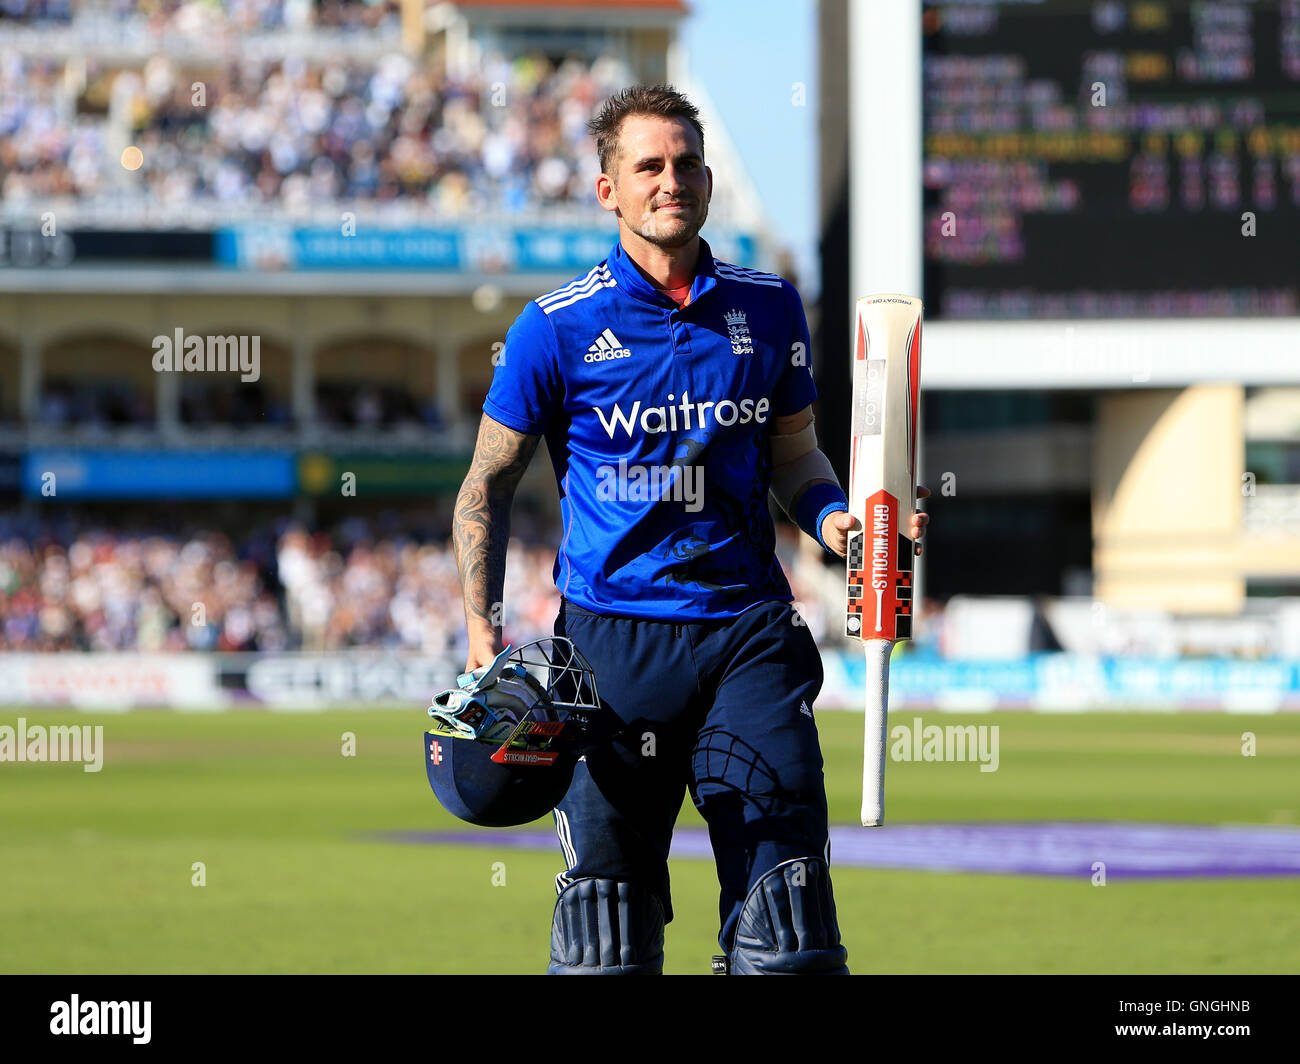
(605, 192)
(709, 172)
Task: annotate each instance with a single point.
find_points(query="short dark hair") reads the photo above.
(656, 101)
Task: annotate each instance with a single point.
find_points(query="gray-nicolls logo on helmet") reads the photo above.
(504, 742)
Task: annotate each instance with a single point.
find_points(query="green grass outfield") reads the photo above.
(95, 869)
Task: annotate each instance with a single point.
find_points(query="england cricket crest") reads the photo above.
(738, 331)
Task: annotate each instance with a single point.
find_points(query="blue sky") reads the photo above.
(748, 54)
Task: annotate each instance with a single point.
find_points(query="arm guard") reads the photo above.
(803, 482)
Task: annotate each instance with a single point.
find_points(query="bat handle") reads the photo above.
(876, 731)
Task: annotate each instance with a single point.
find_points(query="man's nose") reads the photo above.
(671, 181)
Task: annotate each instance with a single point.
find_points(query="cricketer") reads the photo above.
(688, 380)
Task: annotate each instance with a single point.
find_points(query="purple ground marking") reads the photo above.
(1133, 851)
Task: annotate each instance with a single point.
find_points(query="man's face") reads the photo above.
(660, 187)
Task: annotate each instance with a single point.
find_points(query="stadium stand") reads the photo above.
(69, 586)
(258, 116)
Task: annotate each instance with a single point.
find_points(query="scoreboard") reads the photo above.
(1111, 159)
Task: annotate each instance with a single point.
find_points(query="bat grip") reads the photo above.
(876, 731)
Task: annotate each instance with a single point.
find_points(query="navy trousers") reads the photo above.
(722, 709)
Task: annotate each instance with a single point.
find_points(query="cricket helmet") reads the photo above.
(504, 743)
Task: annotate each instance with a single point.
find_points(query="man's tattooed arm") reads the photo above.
(481, 530)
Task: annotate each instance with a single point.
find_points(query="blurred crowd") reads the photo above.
(372, 406)
(401, 594)
(35, 11)
(300, 136)
(45, 151)
(66, 402)
(102, 590)
(107, 590)
(193, 15)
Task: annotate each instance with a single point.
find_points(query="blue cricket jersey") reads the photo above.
(657, 421)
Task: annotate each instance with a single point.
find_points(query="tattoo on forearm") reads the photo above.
(481, 525)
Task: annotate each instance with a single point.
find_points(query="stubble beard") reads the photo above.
(674, 235)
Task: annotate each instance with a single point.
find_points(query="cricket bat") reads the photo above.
(882, 496)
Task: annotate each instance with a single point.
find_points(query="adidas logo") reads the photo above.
(607, 346)
(803, 708)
